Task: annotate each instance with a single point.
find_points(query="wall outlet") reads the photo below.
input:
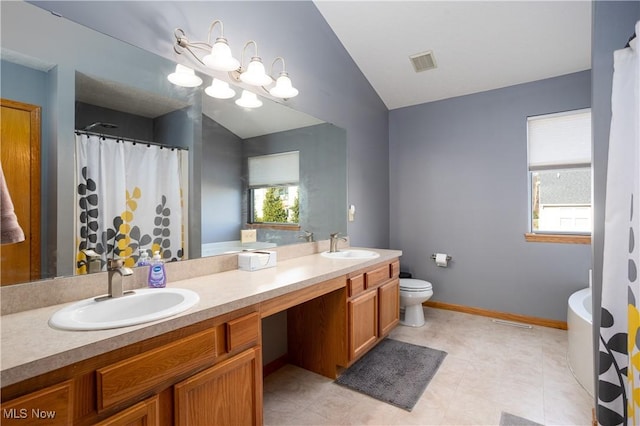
(248, 236)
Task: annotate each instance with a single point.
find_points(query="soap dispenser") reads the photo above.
(157, 273)
(144, 259)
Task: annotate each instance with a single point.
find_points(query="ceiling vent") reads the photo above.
(423, 61)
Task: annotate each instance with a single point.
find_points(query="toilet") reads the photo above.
(412, 294)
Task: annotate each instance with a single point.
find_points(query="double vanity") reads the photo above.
(204, 365)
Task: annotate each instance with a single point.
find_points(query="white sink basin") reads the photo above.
(144, 305)
(351, 254)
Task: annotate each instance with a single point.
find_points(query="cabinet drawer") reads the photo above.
(139, 374)
(242, 331)
(395, 269)
(355, 285)
(377, 276)
(49, 406)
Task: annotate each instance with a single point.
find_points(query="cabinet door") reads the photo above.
(49, 406)
(229, 393)
(363, 323)
(144, 413)
(389, 299)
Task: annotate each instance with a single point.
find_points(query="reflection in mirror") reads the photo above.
(129, 199)
(104, 80)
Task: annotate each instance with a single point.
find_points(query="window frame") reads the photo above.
(279, 161)
(551, 236)
(251, 220)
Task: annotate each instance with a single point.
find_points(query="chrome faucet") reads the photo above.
(333, 241)
(307, 236)
(117, 271)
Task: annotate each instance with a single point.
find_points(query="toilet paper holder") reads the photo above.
(433, 256)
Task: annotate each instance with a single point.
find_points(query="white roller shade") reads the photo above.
(274, 169)
(559, 140)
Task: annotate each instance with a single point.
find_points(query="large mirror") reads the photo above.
(79, 77)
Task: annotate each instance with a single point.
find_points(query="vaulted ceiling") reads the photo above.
(477, 45)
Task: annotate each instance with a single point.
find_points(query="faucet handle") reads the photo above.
(113, 264)
(334, 235)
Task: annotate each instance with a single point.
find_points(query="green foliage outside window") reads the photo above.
(295, 211)
(273, 209)
(276, 204)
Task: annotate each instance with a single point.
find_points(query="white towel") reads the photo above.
(10, 230)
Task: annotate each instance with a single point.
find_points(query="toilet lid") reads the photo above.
(410, 284)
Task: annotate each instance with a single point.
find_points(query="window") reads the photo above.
(560, 173)
(274, 188)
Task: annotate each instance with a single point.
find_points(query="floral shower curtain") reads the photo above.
(128, 200)
(619, 361)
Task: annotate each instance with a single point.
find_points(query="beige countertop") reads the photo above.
(30, 347)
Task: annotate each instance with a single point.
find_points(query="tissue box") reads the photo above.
(256, 260)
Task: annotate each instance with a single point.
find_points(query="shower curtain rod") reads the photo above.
(134, 141)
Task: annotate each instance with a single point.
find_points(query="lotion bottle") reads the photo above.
(157, 274)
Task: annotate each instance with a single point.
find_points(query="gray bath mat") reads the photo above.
(394, 372)
(507, 419)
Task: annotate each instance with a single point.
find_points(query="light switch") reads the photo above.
(352, 213)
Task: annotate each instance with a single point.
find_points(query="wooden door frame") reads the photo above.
(35, 113)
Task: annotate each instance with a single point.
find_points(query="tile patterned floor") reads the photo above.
(489, 368)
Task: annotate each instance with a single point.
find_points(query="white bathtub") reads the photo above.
(580, 336)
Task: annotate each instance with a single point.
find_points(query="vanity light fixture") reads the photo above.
(220, 90)
(184, 77)
(255, 74)
(283, 88)
(249, 100)
(219, 58)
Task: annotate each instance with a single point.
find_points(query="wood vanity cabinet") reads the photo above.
(229, 393)
(207, 373)
(373, 307)
(339, 327)
(49, 406)
(145, 413)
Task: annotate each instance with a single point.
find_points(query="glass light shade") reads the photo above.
(248, 100)
(220, 57)
(255, 74)
(220, 90)
(184, 77)
(283, 88)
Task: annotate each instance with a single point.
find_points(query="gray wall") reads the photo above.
(221, 183)
(323, 172)
(613, 24)
(129, 125)
(331, 86)
(459, 186)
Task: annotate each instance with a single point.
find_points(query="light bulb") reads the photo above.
(283, 88)
(220, 90)
(255, 73)
(184, 77)
(249, 100)
(220, 57)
